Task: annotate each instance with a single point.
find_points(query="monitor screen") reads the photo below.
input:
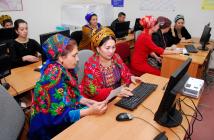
(122, 29)
(137, 25)
(5, 66)
(205, 34)
(167, 115)
(44, 37)
(7, 34)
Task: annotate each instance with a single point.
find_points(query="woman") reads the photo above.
(105, 71)
(6, 21)
(161, 38)
(144, 46)
(87, 30)
(23, 49)
(57, 102)
(179, 32)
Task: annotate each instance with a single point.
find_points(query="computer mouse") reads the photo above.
(124, 117)
(161, 136)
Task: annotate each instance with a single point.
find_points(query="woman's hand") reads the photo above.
(30, 58)
(136, 80)
(97, 108)
(125, 92)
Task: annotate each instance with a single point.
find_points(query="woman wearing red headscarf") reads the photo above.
(145, 46)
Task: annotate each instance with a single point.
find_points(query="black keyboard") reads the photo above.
(191, 49)
(140, 93)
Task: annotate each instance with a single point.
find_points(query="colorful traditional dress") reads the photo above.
(55, 103)
(98, 81)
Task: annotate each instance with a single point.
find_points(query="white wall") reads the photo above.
(195, 18)
(44, 15)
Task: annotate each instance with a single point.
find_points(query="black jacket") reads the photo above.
(184, 34)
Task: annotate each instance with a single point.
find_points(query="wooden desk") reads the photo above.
(130, 38)
(171, 62)
(106, 127)
(23, 79)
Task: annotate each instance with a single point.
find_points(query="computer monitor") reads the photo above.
(205, 37)
(44, 37)
(167, 115)
(7, 34)
(121, 29)
(5, 66)
(137, 25)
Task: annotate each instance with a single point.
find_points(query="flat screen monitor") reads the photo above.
(7, 34)
(205, 37)
(167, 115)
(122, 29)
(44, 37)
(137, 25)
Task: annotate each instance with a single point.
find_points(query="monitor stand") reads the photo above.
(172, 118)
(203, 48)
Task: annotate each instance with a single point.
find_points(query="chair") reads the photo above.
(83, 57)
(136, 34)
(76, 35)
(12, 116)
(123, 49)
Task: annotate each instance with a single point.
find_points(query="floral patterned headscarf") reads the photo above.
(52, 47)
(148, 22)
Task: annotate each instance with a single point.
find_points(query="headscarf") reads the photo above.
(52, 47)
(99, 35)
(179, 17)
(88, 16)
(3, 18)
(148, 22)
(164, 22)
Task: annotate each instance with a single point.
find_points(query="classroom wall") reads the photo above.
(191, 9)
(44, 15)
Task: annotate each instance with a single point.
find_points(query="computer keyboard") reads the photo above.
(140, 93)
(191, 49)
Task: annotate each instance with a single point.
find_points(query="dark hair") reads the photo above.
(105, 39)
(72, 43)
(121, 14)
(6, 21)
(17, 22)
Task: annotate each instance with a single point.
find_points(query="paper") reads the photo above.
(207, 5)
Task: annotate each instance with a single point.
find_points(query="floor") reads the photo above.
(204, 130)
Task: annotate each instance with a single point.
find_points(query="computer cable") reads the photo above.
(189, 131)
(147, 123)
(195, 116)
(169, 128)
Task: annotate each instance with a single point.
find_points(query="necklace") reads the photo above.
(25, 45)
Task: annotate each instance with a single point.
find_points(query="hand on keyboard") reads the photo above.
(136, 80)
(125, 92)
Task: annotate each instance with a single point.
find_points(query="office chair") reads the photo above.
(136, 34)
(83, 57)
(12, 116)
(76, 35)
(123, 49)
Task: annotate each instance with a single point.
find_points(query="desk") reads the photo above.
(106, 127)
(23, 79)
(171, 62)
(130, 38)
